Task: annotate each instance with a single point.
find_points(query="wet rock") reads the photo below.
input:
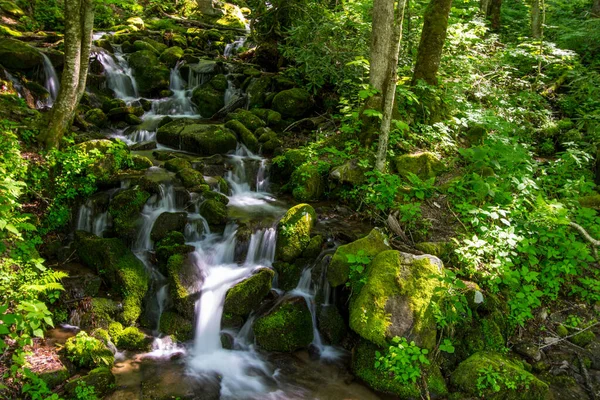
(247, 118)
(312, 251)
(190, 178)
(133, 339)
(257, 91)
(207, 140)
(184, 280)
(171, 56)
(166, 223)
(176, 326)
(215, 212)
(140, 163)
(425, 165)
(395, 301)
(528, 350)
(288, 274)
(332, 325)
(142, 146)
(151, 76)
(371, 245)
(246, 296)
(173, 243)
(293, 232)
(125, 210)
(244, 134)
(96, 117)
(292, 103)
(288, 327)
(101, 379)
(307, 183)
(209, 97)
(16, 55)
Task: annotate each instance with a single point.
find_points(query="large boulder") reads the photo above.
(210, 97)
(244, 134)
(151, 76)
(101, 379)
(292, 103)
(349, 173)
(173, 243)
(395, 300)
(287, 327)
(123, 271)
(184, 284)
(293, 232)
(166, 223)
(207, 140)
(257, 91)
(176, 326)
(125, 210)
(425, 165)
(214, 211)
(307, 183)
(17, 55)
(171, 56)
(169, 133)
(371, 245)
(247, 118)
(523, 385)
(247, 295)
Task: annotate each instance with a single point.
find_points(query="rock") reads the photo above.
(247, 118)
(215, 212)
(101, 313)
(293, 232)
(208, 140)
(285, 165)
(348, 173)
(166, 223)
(272, 118)
(88, 352)
(363, 367)
(528, 350)
(442, 250)
(583, 339)
(287, 327)
(140, 45)
(292, 103)
(151, 76)
(395, 300)
(592, 201)
(244, 135)
(96, 117)
(171, 56)
(173, 243)
(101, 379)
(169, 134)
(314, 248)
(111, 104)
(475, 135)
(307, 183)
(133, 339)
(12, 9)
(190, 178)
(371, 245)
(210, 97)
(288, 274)
(16, 55)
(176, 326)
(332, 325)
(125, 210)
(140, 163)
(466, 377)
(246, 296)
(119, 266)
(425, 165)
(142, 146)
(184, 280)
(257, 91)
(136, 22)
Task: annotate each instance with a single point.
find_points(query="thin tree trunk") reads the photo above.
(389, 97)
(435, 28)
(494, 14)
(87, 27)
(596, 8)
(484, 6)
(381, 37)
(536, 19)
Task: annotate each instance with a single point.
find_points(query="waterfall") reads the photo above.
(119, 75)
(179, 104)
(52, 84)
(232, 48)
(247, 192)
(89, 221)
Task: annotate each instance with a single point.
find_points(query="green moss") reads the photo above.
(590, 201)
(140, 162)
(114, 330)
(190, 177)
(339, 268)
(247, 118)
(425, 165)
(169, 134)
(288, 274)
(176, 326)
(307, 183)
(332, 325)
(102, 335)
(96, 117)
(584, 338)
(173, 243)
(349, 173)
(465, 378)
(19, 55)
(257, 91)
(562, 331)
(151, 76)
(171, 56)
(180, 296)
(292, 103)
(272, 118)
(101, 379)
(244, 134)
(314, 247)
(285, 165)
(104, 311)
(214, 211)
(247, 295)
(209, 97)
(293, 232)
(208, 140)
(88, 352)
(399, 288)
(442, 250)
(166, 223)
(125, 209)
(288, 327)
(177, 164)
(132, 339)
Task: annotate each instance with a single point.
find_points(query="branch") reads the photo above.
(569, 336)
(588, 237)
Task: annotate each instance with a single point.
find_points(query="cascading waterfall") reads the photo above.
(232, 48)
(52, 84)
(119, 76)
(89, 221)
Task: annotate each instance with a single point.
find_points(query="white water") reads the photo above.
(232, 48)
(89, 221)
(52, 83)
(119, 75)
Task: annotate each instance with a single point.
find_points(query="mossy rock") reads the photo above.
(363, 367)
(111, 104)
(442, 250)
(96, 117)
(88, 352)
(140, 163)
(102, 312)
(133, 339)
(284, 166)
(246, 296)
(293, 232)
(257, 91)
(210, 97)
(120, 267)
(425, 165)
(125, 210)
(190, 178)
(584, 338)
(307, 183)
(176, 326)
(136, 22)
(140, 45)
(339, 267)
(173, 243)
(104, 168)
(169, 134)
(208, 140)
(166, 223)
(177, 164)
(183, 277)
(114, 330)
(286, 328)
(17, 55)
(314, 248)
(244, 134)
(395, 301)
(171, 56)
(11, 8)
(247, 118)
(272, 118)
(210, 195)
(101, 379)
(592, 201)
(332, 325)
(292, 103)
(349, 173)
(288, 274)
(151, 76)
(465, 378)
(215, 212)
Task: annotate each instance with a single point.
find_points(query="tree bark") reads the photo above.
(79, 20)
(381, 37)
(596, 8)
(536, 19)
(494, 14)
(484, 6)
(435, 28)
(390, 79)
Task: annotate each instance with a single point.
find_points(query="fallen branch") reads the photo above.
(570, 336)
(586, 377)
(587, 236)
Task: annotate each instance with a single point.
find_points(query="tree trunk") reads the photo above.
(484, 6)
(435, 28)
(390, 78)
(381, 39)
(494, 13)
(79, 19)
(536, 19)
(596, 8)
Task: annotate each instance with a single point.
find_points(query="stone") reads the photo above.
(246, 296)
(171, 56)
(307, 183)
(425, 165)
(17, 55)
(348, 173)
(184, 284)
(151, 76)
(293, 232)
(214, 211)
(176, 326)
(166, 223)
(247, 118)
(292, 103)
(244, 135)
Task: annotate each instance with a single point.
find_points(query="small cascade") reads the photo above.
(246, 191)
(180, 102)
(261, 250)
(163, 202)
(232, 48)
(52, 83)
(89, 221)
(119, 75)
(196, 79)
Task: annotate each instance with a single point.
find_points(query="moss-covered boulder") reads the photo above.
(174, 325)
(120, 267)
(247, 118)
(177, 164)
(307, 183)
(425, 165)
(332, 325)
(339, 267)
(140, 45)
(132, 338)
(101, 379)
(288, 274)
(293, 232)
(11, 8)
(284, 165)
(207, 140)
(114, 154)
(151, 76)
(183, 277)
(244, 134)
(17, 55)
(592, 201)
(314, 248)
(247, 295)
(166, 223)
(395, 301)
(288, 327)
(171, 56)
(88, 352)
(521, 384)
(364, 357)
(140, 163)
(349, 173)
(442, 250)
(292, 103)
(257, 91)
(173, 243)
(272, 118)
(190, 178)
(125, 210)
(210, 97)
(96, 117)
(169, 134)
(101, 313)
(214, 211)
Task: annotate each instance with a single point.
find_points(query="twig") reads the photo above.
(586, 376)
(588, 237)
(570, 336)
(456, 216)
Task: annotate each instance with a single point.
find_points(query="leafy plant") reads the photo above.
(404, 360)
(358, 265)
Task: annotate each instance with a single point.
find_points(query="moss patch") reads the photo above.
(286, 328)
(293, 232)
(247, 295)
(176, 326)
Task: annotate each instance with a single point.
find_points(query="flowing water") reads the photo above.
(52, 83)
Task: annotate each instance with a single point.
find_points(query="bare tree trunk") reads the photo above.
(484, 6)
(494, 14)
(79, 16)
(381, 38)
(389, 88)
(536, 19)
(596, 8)
(435, 28)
